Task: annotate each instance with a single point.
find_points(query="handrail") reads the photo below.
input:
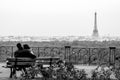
(72, 54)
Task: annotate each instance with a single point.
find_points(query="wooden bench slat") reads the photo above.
(20, 59)
(24, 61)
(48, 58)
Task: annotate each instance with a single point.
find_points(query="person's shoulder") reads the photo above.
(26, 51)
(17, 51)
(21, 51)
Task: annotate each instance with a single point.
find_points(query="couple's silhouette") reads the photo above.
(24, 51)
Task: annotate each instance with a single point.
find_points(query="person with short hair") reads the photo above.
(18, 51)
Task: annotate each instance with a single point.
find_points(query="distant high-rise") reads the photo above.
(95, 31)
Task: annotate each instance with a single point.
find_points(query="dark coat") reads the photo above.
(24, 53)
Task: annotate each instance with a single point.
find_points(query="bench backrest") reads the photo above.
(28, 61)
(20, 62)
(47, 60)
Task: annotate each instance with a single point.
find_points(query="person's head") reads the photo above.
(19, 46)
(26, 46)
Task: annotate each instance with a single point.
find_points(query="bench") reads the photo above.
(47, 60)
(14, 63)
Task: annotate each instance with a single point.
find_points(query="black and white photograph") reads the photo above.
(59, 39)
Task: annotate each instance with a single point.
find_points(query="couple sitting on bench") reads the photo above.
(23, 52)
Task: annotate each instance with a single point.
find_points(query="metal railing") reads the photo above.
(72, 54)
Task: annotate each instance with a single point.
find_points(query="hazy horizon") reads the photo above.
(59, 17)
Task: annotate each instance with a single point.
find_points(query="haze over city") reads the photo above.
(59, 17)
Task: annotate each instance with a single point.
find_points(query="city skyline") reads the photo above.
(59, 17)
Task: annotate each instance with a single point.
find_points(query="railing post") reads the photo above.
(12, 55)
(67, 52)
(38, 52)
(89, 58)
(112, 55)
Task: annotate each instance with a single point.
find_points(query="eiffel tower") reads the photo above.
(95, 31)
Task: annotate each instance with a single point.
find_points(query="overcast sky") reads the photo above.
(59, 17)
